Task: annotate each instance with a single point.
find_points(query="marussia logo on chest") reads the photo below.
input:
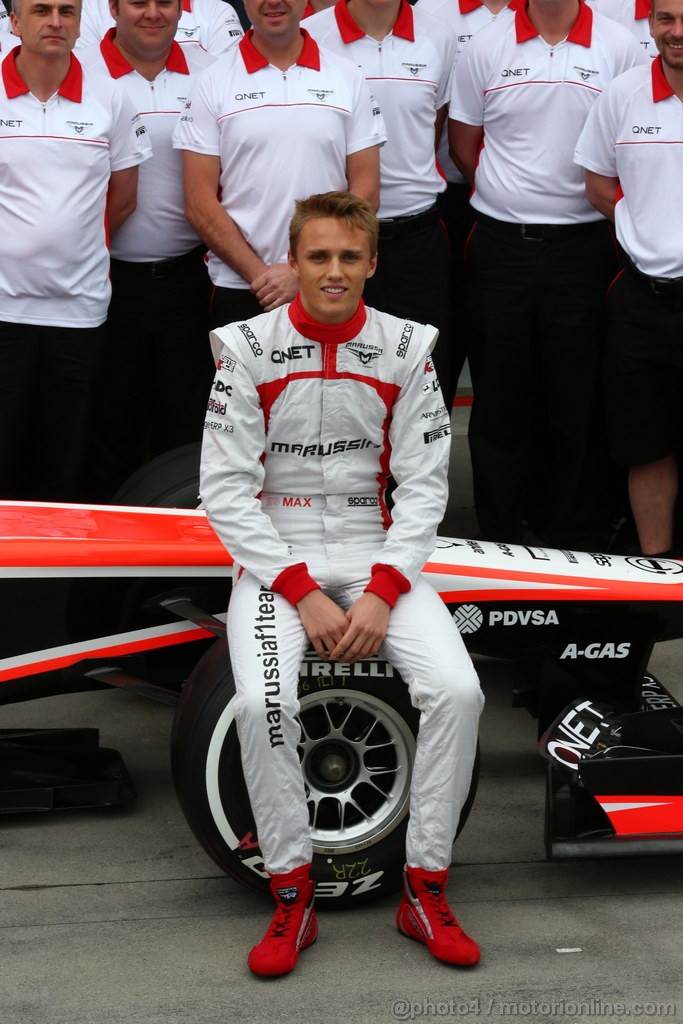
(585, 73)
(79, 126)
(321, 94)
(364, 353)
(415, 69)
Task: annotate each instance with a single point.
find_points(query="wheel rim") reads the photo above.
(357, 756)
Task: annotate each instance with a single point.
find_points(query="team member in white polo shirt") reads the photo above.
(7, 38)
(275, 120)
(407, 58)
(210, 24)
(538, 262)
(465, 18)
(633, 15)
(70, 144)
(631, 148)
(157, 323)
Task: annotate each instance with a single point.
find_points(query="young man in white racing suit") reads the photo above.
(313, 407)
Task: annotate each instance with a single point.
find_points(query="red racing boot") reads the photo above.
(293, 927)
(425, 915)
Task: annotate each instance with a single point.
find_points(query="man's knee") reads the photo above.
(452, 690)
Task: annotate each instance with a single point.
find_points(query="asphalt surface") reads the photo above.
(119, 915)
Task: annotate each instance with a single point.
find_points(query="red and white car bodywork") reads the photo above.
(128, 596)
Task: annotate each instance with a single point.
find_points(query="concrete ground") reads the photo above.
(119, 916)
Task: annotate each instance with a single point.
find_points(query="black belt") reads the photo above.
(161, 268)
(535, 232)
(389, 227)
(658, 285)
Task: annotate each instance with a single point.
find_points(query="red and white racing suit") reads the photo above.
(305, 424)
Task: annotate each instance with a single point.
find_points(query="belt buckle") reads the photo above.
(527, 233)
(667, 285)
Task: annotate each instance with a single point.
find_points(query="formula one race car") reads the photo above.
(135, 597)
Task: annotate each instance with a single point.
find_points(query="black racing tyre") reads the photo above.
(170, 480)
(357, 749)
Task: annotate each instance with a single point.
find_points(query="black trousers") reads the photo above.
(46, 391)
(458, 217)
(536, 306)
(229, 305)
(412, 281)
(157, 370)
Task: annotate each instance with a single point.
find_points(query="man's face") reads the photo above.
(274, 20)
(666, 28)
(332, 262)
(49, 28)
(146, 28)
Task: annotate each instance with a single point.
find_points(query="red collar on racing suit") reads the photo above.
(335, 334)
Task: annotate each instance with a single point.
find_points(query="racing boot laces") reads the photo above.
(293, 927)
(424, 915)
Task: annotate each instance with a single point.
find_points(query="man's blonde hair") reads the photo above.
(352, 210)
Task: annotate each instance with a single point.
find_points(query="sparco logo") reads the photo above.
(363, 501)
(405, 341)
(434, 435)
(252, 339)
(293, 352)
(226, 389)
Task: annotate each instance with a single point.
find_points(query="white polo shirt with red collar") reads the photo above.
(409, 73)
(633, 15)
(280, 136)
(465, 18)
(7, 38)
(532, 100)
(212, 24)
(157, 229)
(635, 133)
(55, 162)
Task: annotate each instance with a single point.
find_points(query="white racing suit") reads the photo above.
(300, 438)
